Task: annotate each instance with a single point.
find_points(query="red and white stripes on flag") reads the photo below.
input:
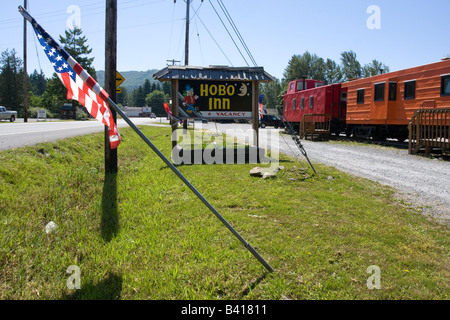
(96, 106)
(80, 85)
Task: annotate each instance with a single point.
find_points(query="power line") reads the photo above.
(236, 30)
(196, 27)
(229, 33)
(199, 43)
(171, 29)
(215, 40)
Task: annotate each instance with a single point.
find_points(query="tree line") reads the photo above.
(50, 94)
(149, 94)
(311, 66)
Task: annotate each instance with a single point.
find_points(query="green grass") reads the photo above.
(142, 234)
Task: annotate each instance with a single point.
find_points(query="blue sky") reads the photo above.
(150, 32)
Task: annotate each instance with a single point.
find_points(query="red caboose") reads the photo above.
(308, 98)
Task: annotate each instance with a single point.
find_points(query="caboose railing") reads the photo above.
(315, 125)
(429, 130)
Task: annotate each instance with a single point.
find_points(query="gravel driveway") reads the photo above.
(423, 182)
(420, 181)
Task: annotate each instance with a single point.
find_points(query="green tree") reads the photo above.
(54, 96)
(156, 100)
(122, 98)
(11, 80)
(272, 92)
(75, 44)
(137, 98)
(333, 73)
(167, 88)
(147, 88)
(351, 68)
(38, 83)
(306, 65)
(36, 101)
(373, 68)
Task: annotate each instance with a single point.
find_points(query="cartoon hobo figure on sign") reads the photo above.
(189, 99)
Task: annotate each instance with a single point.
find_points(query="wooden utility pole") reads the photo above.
(110, 77)
(25, 80)
(186, 49)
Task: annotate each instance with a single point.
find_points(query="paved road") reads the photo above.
(18, 134)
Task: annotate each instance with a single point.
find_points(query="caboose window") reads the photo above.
(302, 103)
(311, 102)
(360, 96)
(293, 104)
(445, 85)
(410, 90)
(379, 92)
(392, 91)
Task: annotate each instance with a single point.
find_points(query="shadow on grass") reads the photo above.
(253, 285)
(110, 216)
(108, 289)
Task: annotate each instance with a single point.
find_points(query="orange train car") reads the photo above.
(382, 106)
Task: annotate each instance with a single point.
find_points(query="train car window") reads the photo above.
(392, 91)
(302, 103)
(293, 104)
(292, 87)
(300, 86)
(379, 92)
(285, 105)
(410, 90)
(445, 85)
(360, 96)
(318, 84)
(311, 102)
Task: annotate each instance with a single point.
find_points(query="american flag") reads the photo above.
(80, 85)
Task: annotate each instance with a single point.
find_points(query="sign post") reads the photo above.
(215, 93)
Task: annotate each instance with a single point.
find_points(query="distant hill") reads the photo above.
(133, 79)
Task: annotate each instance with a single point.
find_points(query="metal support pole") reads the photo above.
(193, 189)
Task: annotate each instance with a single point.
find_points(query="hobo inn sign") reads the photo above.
(214, 92)
(215, 99)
